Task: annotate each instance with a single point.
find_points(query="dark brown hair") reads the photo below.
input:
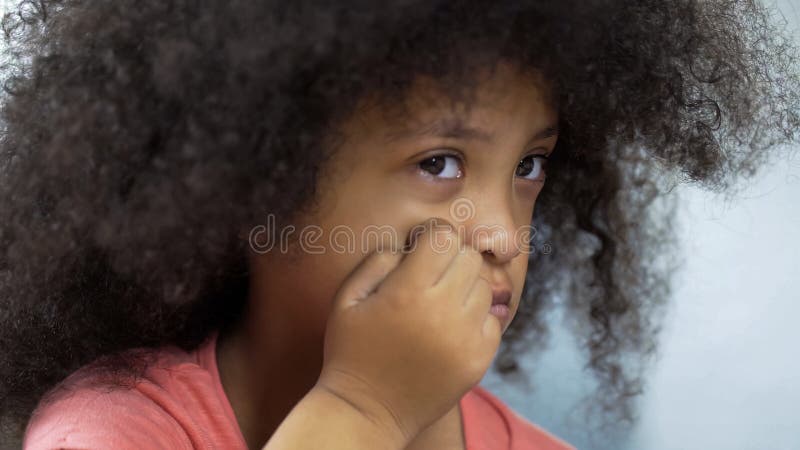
(138, 137)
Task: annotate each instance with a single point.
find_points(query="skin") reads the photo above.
(381, 175)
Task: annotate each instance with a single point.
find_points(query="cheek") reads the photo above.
(308, 284)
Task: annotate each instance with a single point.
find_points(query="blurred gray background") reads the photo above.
(728, 376)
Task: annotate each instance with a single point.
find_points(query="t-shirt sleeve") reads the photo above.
(90, 419)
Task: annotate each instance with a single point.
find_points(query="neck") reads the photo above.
(265, 378)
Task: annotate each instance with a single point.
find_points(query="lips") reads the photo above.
(501, 296)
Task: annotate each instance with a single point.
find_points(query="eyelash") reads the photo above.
(543, 165)
(542, 157)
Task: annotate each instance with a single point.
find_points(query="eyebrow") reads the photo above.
(454, 128)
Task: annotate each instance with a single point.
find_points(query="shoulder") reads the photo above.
(177, 404)
(490, 423)
(88, 417)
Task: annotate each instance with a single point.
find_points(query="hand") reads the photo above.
(410, 334)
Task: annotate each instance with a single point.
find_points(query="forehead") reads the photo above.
(500, 99)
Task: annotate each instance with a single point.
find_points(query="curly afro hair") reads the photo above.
(139, 136)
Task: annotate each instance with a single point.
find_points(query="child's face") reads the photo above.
(385, 175)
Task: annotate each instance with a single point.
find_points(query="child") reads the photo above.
(238, 224)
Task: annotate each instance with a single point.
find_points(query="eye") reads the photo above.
(532, 167)
(441, 166)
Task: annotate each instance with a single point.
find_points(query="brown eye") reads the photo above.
(441, 166)
(532, 167)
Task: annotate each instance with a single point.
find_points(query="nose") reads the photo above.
(489, 227)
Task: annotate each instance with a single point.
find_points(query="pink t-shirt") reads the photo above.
(180, 404)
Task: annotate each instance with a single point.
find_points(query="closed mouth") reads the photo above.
(501, 296)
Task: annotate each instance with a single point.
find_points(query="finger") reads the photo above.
(492, 332)
(366, 277)
(429, 254)
(478, 302)
(459, 277)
